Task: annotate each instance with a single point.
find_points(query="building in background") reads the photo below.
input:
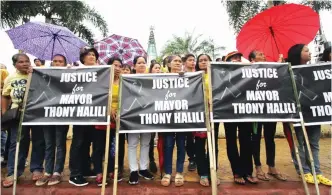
(152, 49)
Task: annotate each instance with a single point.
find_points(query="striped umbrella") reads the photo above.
(122, 47)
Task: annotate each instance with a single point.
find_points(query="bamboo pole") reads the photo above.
(19, 131)
(210, 135)
(107, 146)
(294, 138)
(116, 160)
(213, 171)
(303, 129)
(210, 111)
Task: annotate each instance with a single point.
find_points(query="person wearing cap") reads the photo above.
(55, 137)
(79, 157)
(234, 56)
(241, 163)
(269, 133)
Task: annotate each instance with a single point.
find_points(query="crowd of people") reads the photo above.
(49, 142)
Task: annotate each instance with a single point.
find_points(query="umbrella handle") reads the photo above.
(274, 38)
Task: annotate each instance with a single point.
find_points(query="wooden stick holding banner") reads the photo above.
(304, 131)
(116, 160)
(294, 138)
(107, 144)
(210, 136)
(19, 131)
(210, 106)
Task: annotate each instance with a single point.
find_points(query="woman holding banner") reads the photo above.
(133, 139)
(269, 133)
(13, 93)
(171, 138)
(202, 158)
(297, 55)
(99, 145)
(241, 163)
(79, 159)
(154, 68)
(55, 137)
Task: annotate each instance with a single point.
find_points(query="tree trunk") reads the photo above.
(270, 3)
(48, 20)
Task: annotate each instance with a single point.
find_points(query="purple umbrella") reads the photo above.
(45, 40)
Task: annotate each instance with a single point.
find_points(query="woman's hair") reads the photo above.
(165, 61)
(197, 61)
(185, 58)
(135, 61)
(153, 61)
(123, 66)
(326, 54)
(294, 54)
(136, 58)
(85, 51)
(170, 59)
(252, 55)
(16, 56)
(152, 65)
(223, 58)
(64, 58)
(111, 60)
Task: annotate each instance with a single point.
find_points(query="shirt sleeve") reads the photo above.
(6, 87)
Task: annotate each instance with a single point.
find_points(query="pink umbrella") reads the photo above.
(122, 47)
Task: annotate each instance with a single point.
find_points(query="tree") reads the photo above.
(190, 44)
(71, 14)
(240, 12)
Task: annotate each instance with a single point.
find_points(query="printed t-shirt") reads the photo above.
(14, 86)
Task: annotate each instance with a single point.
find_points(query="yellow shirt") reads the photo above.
(115, 96)
(14, 86)
(164, 69)
(3, 75)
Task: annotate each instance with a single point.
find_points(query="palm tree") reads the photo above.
(240, 12)
(70, 14)
(190, 44)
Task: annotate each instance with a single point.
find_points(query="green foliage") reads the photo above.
(240, 12)
(71, 14)
(190, 44)
(318, 5)
(159, 59)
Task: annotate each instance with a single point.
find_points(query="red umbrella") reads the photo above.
(122, 47)
(277, 29)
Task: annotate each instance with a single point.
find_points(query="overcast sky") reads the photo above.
(133, 18)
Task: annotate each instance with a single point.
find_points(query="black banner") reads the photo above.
(252, 93)
(62, 96)
(314, 89)
(162, 103)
